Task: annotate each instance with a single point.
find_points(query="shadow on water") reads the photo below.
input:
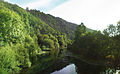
(65, 65)
(85, 68)
(56, 66)
(72, 66)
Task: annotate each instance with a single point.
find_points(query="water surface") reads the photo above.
(69, 69)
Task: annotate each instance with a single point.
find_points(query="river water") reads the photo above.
(64, 66)
(68, 65)
(69, 69)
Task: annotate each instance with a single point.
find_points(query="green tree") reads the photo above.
(11, 28)
(80, 31)
(8, 59)
(90, 46)
(111, 30)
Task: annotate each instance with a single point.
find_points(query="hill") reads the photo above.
(56, 23)
(28, 35)
(24, 38)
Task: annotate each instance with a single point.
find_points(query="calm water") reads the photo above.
(70, 65)
(66, 66)
(69, 69)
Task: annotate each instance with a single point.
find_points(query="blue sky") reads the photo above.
(95, 14)
(43, 5)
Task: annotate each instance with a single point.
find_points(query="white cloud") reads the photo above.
(6, 0)
(95, 14)
(9, 1)
(36, 4)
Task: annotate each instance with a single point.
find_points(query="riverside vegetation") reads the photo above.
(31, 40)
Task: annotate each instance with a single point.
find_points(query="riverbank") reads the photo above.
(50, 64)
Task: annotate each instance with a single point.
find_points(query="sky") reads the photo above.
(95, 14)
(42, 5)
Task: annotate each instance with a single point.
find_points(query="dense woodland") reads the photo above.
(98, 47)
(25, 35)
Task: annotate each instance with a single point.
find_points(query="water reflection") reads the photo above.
(77, 67)
(80, 68)
(64, 66)
(70, 69)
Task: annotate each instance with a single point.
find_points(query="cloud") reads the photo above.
(9, 1)
(44, 5)
(95, 14)
(40, 3)
(32, 4)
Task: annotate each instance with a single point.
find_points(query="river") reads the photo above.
(69, 69)
(66, 65)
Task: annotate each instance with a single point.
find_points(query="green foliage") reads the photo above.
(114, 48)
(80, 31)
(111, 30)
(3, 71)
(91, 46)
(24, 37)
(97, 47)
(12, 28)
(8, 59)
(56, 23)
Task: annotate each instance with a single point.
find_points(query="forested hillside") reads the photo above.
(24, 37)
(56, 23)
(31, 42)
